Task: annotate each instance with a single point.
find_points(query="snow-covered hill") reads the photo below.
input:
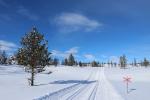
(74, 83)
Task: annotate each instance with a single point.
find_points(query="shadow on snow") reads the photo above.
(72, 82)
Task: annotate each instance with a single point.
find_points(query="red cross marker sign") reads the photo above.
(127, 80)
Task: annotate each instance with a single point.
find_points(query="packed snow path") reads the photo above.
(95, 87)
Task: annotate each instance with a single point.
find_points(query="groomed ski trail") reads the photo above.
(96, 87)
(61, 94)
(106, 91)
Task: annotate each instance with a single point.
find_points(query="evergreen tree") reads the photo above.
(102, 64)
(135, 63)
(108, 63)
(66, 61)
(94, 64)
(80, 63)
(115, 64)
(145, 62)
(3, 58)
(56, 61)
(123, 61)
(71, 60)
(51, 62)
(111, 64)
(33, 53)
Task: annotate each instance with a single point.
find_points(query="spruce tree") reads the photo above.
(55, 62)
(80, 63)
(94, 64)
(123, 61)
(3, 58)
(145, 62)
(71, 60)
(66, 61)
(115, 64)
(33, 53)
(135, 63)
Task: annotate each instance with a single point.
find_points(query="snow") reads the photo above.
(139, 87)
(74, 83)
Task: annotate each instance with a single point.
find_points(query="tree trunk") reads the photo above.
(32, 76)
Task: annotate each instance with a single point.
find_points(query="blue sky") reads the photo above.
(90, 29)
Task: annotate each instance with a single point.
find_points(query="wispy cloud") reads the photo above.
(3, 3)
(89, 57)
(27, 13)
(73, 50)
(7, 46)
(65, 54)
(72, 22)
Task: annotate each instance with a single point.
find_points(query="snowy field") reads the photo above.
(74, 83)
(139, 88)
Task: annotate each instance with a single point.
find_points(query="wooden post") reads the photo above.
(127, 80)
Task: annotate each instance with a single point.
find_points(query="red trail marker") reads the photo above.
(127, 80)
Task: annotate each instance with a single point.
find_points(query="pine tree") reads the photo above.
(71, 60)
(33, 53)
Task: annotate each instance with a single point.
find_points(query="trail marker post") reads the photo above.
(127, 80)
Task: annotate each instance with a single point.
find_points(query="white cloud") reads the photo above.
(57, 53)
(89, 57)
(73, 50)
(66, 53)
(72, 22)
(27, 13)
(9, 47)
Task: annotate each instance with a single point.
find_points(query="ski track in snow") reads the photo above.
(105, 90)
(95, 87)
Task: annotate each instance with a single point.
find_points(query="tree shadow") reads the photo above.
(68, 82)
(72, 82)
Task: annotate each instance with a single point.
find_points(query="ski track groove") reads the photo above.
(83, 88)
(93, 93)
(99, 89)
(58, 94)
